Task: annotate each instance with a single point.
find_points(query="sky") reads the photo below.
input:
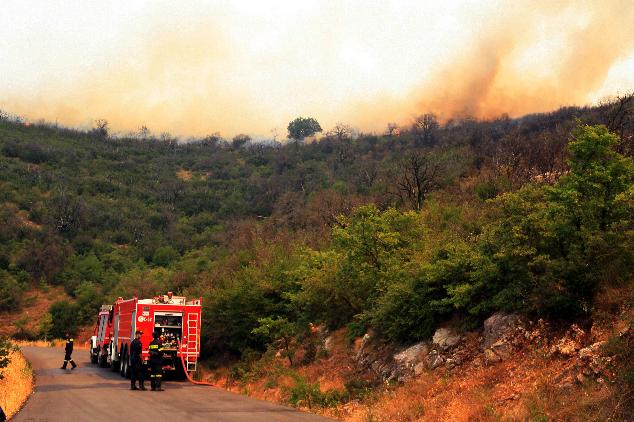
(193, 68)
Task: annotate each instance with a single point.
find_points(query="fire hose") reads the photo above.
(189, 378)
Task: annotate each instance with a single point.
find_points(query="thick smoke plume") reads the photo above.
(198, 69)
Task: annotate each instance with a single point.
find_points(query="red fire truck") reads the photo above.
(174, 317)
(99, 342)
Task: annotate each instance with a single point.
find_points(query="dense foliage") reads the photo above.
(396, 232)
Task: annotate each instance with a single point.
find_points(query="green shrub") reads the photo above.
(305, 393)
(65, 318)
(10, 292)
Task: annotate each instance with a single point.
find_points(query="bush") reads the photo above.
(65, 318)
(10, 292)
(164, 256)
(305, 393)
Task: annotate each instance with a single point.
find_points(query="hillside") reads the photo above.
(398, 234)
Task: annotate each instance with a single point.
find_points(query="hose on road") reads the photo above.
(189, 378)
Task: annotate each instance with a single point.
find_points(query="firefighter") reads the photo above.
(68, 352)
(156, 362)
(136, 362)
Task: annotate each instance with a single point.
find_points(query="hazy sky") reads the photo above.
(198, 67)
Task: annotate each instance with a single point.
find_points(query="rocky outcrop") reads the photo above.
(400, 365)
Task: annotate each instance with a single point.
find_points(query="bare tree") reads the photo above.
(143, 132)
(425, 127)
(619, 117)
(340, 132)
(393, 129)
(101, 128)
(418, 176)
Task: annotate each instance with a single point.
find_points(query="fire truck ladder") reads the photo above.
(192, 340)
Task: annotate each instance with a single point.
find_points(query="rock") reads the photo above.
(501, 349)
(581, 378)
(564, 347)
(329, 343)
(445, 338)
(419, 368)
(587, 353)
(411, 356)
(434, 360)
(499, 326)
(362, 346)
(491, 357)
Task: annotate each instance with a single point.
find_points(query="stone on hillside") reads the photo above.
(499, 326)
(445, 338)
(329, 344)
(490, 356)
(411, 356)
(570, 343)
(419, 368)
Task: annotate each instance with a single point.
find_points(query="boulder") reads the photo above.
(498, 327)
(445, 338)
(412, 356)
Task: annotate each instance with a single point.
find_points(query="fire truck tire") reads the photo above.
(124, 363)
(93, 356)
(103, 360)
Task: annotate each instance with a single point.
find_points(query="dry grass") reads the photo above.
(17, 384)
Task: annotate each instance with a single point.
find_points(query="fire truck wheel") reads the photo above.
(103, 360)
(124, 363)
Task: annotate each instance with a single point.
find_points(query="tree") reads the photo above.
(279, 332)
(64, 315)
(425, 127)
(101, 128)
(340, 132)
(418, 177)
(10, 292)
(240, 140)
(303, 127)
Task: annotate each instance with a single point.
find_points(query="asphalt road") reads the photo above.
(90, 393)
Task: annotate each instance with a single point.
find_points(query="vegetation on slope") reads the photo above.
(397, 232)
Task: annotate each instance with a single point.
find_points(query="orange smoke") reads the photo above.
(195, 70)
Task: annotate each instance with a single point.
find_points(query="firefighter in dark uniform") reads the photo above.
(156, 362)
(68, 352)
(136, 362)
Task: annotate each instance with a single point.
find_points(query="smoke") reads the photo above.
(528, 64)
(248, 68)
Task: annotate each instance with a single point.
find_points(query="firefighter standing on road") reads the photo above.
(68, 352)
(156, 362)
(136, 362)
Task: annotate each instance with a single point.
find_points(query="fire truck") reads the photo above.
(99, 342)
(175, 318)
